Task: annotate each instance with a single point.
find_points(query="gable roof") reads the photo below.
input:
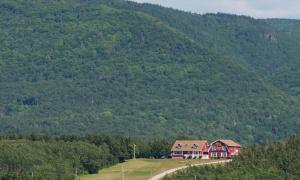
(228, 142)
(188, 145)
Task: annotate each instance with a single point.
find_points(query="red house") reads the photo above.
(190, 149)
(224, 149)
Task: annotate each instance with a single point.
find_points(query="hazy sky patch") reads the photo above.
(254, 8)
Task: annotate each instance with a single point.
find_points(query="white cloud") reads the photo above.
(254, 8)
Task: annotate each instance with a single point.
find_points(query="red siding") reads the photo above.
(219, 149)
(204, 148)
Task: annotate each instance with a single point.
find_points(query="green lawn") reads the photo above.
(140, 169)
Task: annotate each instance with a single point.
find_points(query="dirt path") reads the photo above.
(163, 174)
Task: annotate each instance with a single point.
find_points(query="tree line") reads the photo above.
(64, 157)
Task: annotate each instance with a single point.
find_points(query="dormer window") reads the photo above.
(194, 146)
(178, 146)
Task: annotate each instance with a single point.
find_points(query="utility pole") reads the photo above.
(122, 171)
(32, 175)
(195, 177)
(134, 151)
(75, 173)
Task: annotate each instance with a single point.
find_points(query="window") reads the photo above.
(213, 154)
(177, 152)
(178, 146)
(223, 148)
(194, 146)
(213, 148)
(223, 154)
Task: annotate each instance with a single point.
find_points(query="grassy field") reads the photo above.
(140, 169)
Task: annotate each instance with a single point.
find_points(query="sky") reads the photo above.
(255, 8)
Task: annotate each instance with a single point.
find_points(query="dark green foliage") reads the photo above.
(59, 158)
(141, 71)
(279, 160)
(288, 26)
(268, 47)
(19, 159)
(160, 148)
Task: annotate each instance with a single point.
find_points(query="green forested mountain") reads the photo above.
(141, 70)
(268, 47)
(279, 160)
(288, 26)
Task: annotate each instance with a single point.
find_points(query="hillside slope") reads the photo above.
(288, 26)
(99, 67)
(268, 47)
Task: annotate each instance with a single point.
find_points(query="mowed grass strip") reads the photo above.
(141, 169)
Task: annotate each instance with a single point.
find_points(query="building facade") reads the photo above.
(190, 149)
(224, 149)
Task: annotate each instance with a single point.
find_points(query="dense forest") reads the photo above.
(139, 70)
(288, 26)
(65, 157)
(279, 160)
(268, 47)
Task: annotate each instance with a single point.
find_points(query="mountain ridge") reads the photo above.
(104, 67)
